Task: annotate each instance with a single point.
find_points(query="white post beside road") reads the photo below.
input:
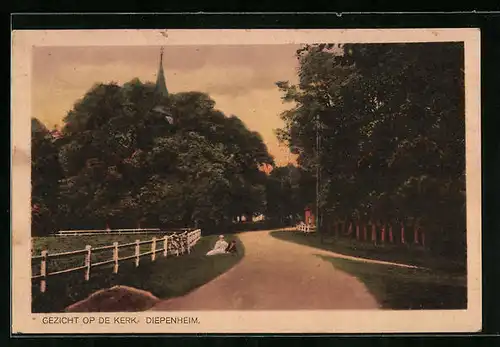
(153, 249)
(165, 245)
(137, 252)
(43, 272)
(115, 257)
(88, 262)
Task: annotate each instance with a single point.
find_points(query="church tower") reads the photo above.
(161, 85)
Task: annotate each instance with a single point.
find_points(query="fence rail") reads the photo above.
(67, 254)
(170, 244)
(138, 231)
(306, 228)
(108, 231)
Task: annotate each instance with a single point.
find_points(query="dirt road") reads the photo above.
(276, 275)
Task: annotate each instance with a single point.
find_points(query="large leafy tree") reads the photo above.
(390, 120)
(45, 176)
(286, 196)
(131, 157)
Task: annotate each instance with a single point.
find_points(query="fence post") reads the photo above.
(88, 262)
(153, 249)
(115, 257)
(402, 233)
(349, 229)
(137, 252)
(188, 238)
(165, 245)
(43, 272)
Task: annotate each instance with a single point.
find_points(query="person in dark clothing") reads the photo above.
(232, 247)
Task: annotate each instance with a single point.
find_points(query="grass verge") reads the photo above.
(405, 254)
(165, 278)
(441, 286)
(403, 288)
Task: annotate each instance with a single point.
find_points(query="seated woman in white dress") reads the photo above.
(220, 246)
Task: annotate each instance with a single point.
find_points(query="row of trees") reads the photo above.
(128, 157)
(288, 193)
(385, 123)
(382, 124)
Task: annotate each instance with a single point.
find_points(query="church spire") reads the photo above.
(161, 85)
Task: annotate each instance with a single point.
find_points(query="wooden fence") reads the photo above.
(176, 244)
(378, 233)
(142, 231)
(305, 228)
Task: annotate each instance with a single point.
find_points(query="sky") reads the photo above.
(241, 79)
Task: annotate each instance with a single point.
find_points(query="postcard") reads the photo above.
(246, 181)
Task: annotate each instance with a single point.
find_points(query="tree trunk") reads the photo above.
(402, 233)
(349, 230)
(415, 234)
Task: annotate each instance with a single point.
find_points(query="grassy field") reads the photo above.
(55, 244)
(442, 285)
(164, 278)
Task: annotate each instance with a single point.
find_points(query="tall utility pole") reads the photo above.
(317, 176)
(290, 214)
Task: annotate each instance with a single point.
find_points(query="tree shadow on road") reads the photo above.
(401, 288)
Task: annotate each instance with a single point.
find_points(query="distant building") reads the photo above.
(258, 218)
(309, 217)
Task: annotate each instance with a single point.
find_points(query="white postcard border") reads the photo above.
(303, 321)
